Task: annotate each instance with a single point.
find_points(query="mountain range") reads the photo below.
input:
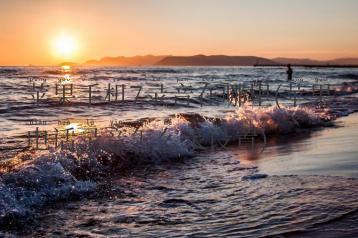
(214, 60)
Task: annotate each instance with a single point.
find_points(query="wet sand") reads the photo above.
(330, 151)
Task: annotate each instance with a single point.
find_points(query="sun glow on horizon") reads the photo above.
(65, 46)
(53, 32)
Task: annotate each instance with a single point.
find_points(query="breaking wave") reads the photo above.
(31, 180)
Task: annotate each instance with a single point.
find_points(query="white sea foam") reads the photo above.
(36, 180)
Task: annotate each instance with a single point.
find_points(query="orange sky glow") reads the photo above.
(42, 32)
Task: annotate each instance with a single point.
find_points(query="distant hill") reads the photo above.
(294, 61)
(125, 61)
(214, 60)
(344, 61)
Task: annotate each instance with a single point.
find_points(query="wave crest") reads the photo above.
(32, 180)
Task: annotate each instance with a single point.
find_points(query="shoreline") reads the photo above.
(116, 189)
(311, 152)
(119, 191)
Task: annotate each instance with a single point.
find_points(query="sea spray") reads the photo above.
(30, 181)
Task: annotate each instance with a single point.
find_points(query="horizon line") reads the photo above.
(169, 55)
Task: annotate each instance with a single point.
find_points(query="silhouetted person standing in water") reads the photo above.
(289, 72)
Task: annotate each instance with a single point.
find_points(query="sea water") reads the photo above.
(166, 148)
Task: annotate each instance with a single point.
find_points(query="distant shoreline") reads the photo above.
(309, 66)
(211, 60)
(169, 66)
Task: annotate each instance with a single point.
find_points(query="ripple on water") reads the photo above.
(171, 201)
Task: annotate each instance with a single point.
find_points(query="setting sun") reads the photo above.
(65, 46)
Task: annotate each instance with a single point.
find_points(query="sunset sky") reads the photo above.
(43, 32)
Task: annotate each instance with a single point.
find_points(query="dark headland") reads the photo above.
(214, 60)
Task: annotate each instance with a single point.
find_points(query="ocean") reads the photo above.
(178, 151)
